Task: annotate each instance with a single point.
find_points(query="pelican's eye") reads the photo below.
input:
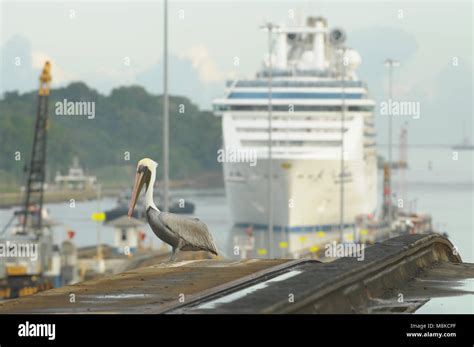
(142, 168)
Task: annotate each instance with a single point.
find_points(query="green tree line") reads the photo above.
(129, 120)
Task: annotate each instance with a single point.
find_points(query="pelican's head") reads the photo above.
(144, 169)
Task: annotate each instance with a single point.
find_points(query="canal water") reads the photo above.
(437, 182)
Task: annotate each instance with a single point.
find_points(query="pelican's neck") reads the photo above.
(149, 192)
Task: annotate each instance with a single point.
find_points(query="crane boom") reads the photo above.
(34, 189)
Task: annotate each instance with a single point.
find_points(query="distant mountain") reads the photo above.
(127, 120)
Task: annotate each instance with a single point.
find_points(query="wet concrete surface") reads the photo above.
(400, 275)
(396, 276)
(143, 290)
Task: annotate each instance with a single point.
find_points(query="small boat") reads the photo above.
(175, 206)
(465, 144)
(75, 179)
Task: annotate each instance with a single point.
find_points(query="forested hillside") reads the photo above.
(127, 120)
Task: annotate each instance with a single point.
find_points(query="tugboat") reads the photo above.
(75, 179)
(180, 206)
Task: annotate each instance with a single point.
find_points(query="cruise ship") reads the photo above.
(318, 105)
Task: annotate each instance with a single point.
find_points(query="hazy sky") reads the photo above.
(93, 42)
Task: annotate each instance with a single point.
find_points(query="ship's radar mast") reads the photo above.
(312, 47)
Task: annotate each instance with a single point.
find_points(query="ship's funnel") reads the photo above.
(282, 50)
(319, 53)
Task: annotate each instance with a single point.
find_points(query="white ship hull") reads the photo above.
(319, 110)
(306, 193)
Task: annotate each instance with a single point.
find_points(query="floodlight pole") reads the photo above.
(165, 113)
(270, 27)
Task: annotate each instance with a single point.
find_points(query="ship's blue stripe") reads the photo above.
(288, 95)
(296, 84)
(305, 228)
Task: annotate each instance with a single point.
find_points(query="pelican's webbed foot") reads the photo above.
(174, 253)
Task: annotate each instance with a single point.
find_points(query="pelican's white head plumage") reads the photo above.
(145, 175)
(147, 162)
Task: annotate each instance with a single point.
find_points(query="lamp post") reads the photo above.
(390, 63)
(270, 27)
(165, 113)
(100, 256)
(343, 116)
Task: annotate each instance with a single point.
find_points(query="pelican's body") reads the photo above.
(181, 233)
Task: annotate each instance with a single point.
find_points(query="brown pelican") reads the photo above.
(181, 233)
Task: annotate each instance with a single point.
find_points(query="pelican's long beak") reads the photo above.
(137, 188)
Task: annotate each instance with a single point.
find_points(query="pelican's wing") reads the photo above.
(191, 230)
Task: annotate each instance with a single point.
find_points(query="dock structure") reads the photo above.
(395, 276)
